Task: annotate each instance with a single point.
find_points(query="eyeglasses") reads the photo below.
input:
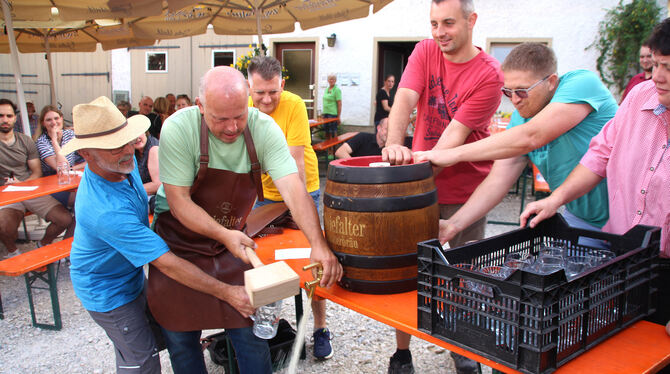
(522, 93)
(120, 149)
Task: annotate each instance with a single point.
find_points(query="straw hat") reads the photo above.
(99, 124)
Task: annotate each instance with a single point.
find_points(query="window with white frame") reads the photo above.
(156, 62)
(499, 48)
(223, 58)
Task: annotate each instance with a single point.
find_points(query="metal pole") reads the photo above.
(258, 28)
(15, 65)
(51, 70)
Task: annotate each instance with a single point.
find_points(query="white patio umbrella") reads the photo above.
(249, 17)
(55, 35)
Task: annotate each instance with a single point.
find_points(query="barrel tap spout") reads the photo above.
(310, 286)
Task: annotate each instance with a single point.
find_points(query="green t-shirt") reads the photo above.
(557, 159)
(179, 150)
(330, 99)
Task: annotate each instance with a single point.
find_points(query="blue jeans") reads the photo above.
(253, 353)
(316, 195)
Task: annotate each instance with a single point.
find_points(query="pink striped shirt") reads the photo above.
(631, 151)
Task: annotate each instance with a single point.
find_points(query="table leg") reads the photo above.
(50, 278)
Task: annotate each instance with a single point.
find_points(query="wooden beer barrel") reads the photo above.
(374, 217)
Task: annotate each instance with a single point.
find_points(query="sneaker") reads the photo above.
(398, 367)
(12, 254)
(322, 348)
(464, 365)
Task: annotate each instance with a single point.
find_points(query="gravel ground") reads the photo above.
(361, 344)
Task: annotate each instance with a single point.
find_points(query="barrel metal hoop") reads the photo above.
(380, 204)
(379, 287)
(380, 175)
(376, 262)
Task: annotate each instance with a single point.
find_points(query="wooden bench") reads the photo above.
(329, 144)
(39, 264)
(539, 184)
(332, 142)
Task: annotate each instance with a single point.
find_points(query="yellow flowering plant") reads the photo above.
(243, 61)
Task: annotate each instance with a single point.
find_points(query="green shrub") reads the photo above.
(621, 34)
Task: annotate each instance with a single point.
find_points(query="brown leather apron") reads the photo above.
(228, 198)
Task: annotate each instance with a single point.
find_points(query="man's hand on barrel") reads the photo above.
(332, 270)
(236, 241)
(397, 154)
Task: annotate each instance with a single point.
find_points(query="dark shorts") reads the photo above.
(128, 328)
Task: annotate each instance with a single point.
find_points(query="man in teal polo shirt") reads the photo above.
(554, 121)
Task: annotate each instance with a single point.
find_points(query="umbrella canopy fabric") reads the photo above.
(73, 39)
(73, 10)
(249, 17)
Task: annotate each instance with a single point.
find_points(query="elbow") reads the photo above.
(533, 142)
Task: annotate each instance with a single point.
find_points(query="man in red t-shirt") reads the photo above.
(456, 89)
(646, 64)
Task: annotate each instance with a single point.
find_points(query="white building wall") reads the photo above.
(121, 77)
(570, 24)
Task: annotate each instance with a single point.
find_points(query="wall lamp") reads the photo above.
(331, 40)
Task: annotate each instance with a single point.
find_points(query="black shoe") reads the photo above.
(464, 365)
(397, 367)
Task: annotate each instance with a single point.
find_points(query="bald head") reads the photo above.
(223, 99)
(222, 82)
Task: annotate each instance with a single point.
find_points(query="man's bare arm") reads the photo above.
(552, 121)
(304, 214)
(398, 120)
(192, 276)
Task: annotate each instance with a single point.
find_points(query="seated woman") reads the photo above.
(146, 153)
(157, 117)
(51, 137)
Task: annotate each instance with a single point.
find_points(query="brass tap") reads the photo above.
(311, 285)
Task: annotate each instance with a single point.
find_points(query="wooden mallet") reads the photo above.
(266, 284)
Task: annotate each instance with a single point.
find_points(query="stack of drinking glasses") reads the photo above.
(554, 256)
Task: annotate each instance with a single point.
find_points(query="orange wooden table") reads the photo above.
(45, 186)
(641, 348)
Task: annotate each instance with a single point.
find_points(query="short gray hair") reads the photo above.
(467, 6)
(267, 67)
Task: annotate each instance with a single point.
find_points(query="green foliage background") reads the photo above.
(621, 33)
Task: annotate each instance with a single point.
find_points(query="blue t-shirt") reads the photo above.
(112, 241)
(557, 159)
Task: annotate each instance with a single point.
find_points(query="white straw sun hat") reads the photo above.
(99, 124)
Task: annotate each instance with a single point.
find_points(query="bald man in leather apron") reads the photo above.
(210, 160)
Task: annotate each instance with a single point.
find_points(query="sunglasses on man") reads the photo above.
(522, 93)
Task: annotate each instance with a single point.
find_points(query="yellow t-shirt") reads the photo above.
(291, 116)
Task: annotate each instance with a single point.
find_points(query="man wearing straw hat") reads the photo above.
(113, 240)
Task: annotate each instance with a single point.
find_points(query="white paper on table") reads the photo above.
(78, 173)
(13, 188)
(292, 253)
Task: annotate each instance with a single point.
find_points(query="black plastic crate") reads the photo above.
(531, 322)
(222, 353)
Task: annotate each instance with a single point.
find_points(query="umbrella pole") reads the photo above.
(15, 64)
(259, 30)
(52, 87)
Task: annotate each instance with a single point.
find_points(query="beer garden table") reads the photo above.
(45, 186)
(642, 348)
